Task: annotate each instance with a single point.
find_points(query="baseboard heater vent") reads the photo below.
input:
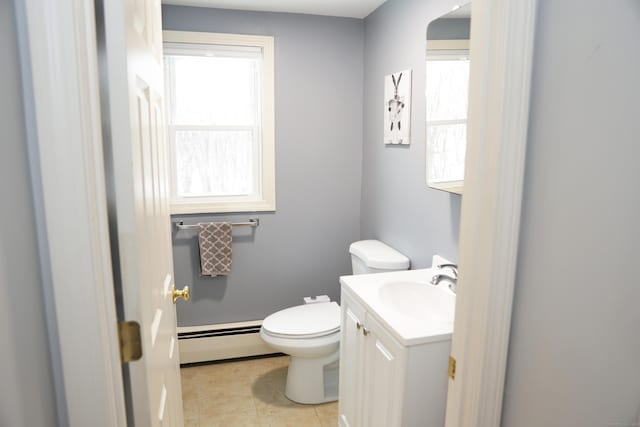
(209, 343)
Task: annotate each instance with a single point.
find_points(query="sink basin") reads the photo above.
(415, 311)
(419, 300)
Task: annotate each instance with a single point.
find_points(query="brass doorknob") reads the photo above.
(184, 293)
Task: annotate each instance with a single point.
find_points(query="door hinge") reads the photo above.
(130, 341)
(452, 368)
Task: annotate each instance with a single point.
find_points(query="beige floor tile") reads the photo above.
(191, 411)
(232, 420)
(190, 407)
(191, 423)
(247, 393)
(265, 410)
(189, 372)
(189, 393)
(215, 391)
(269, 397)
(270, 381)
(228, 373)
(329, 421)
(189, 383)
(284, 420)
(260, 367)
(215, 407)
(327, 409)
(272, 362)
(191, 419)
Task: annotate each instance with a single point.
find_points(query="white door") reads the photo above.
(130, 46)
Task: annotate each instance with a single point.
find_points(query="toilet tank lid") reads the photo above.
(376, 254)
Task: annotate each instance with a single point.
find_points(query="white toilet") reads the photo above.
(310, 333)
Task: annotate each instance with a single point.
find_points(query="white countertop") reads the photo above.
(414, 310)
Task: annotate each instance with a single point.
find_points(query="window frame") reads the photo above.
(443, 50)
(266, 165)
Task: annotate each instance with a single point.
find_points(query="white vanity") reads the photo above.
(395, 342)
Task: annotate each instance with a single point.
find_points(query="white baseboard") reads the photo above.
(229, 341)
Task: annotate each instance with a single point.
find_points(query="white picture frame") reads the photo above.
(397, 108)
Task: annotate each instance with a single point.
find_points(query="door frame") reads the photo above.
(58, 56)
(60, 83)
(502, 43)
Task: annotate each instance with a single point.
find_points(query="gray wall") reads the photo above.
(575, 343)
(26, 389)
(449, 29)
(397, 206)
(301, 249)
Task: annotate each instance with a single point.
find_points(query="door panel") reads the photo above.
(132, 88)
(351, 341)
(351, 366)
(380, 383)
(383, 380)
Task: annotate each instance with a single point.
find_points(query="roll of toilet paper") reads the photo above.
(317, 298)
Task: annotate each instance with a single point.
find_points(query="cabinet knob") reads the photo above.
(358, 325)
(366, 331)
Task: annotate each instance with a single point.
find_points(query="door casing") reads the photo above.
(60, 83)
(64, 127)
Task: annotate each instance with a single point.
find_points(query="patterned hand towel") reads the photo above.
(215, 248)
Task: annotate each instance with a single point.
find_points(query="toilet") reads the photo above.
(310, 333)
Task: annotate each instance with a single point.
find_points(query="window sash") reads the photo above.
(201, 50)
(194, 50)
(256, 184)
(445, 54)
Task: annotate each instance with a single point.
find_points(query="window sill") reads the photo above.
(449, 186)
(207, 207)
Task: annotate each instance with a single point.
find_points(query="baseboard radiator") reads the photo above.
(209, 343)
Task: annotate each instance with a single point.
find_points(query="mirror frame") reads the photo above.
(455, 186)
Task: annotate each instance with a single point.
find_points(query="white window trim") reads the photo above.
(268, 192)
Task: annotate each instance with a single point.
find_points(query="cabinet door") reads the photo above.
(351, 363)
(385, 361)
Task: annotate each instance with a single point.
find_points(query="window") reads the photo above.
(447, 105)
(220, 117)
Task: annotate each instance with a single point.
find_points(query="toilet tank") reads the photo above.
(373, 256)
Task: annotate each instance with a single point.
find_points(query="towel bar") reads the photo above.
(253, 222)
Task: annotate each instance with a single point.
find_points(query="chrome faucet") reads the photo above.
(435, 280)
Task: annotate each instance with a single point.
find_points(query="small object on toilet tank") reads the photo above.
(316, 299)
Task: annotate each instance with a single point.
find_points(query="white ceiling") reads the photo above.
(460, 12)
(346, 8)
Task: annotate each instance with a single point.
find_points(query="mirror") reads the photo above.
(447, 92)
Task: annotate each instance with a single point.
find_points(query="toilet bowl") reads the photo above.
(310, 333)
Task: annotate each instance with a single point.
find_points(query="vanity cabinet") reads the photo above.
(383, 382)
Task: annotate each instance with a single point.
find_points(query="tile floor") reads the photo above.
(245, 394)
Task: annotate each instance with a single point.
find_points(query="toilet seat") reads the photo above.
(304, 321)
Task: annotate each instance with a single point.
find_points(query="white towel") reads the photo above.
(214, 240)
